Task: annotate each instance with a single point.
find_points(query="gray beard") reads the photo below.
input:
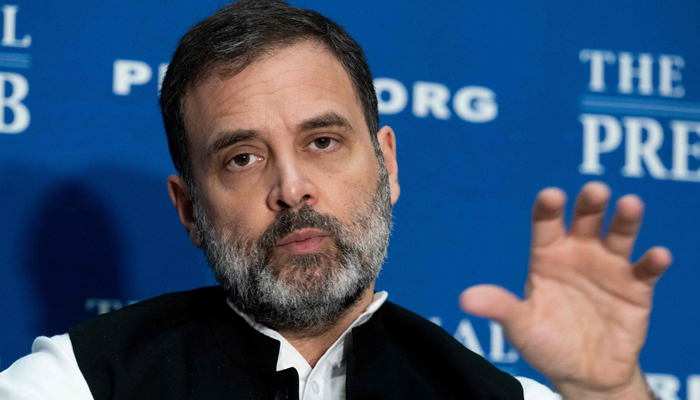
(303, 293)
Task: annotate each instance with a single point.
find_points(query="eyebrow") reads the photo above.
(229, 138)
(329, 119)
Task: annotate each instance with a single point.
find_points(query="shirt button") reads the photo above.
(315, 387)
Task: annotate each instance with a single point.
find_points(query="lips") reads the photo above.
(303, 242)
(302, 235)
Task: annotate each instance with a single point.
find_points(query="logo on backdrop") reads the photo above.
(470, 103)
(636, 99)
(429, 99)
(14, 115)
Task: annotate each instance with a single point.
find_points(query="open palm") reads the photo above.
(586, 310)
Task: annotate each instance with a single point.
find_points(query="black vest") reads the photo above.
(191, 345)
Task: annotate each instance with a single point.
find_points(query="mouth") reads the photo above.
(303, 241)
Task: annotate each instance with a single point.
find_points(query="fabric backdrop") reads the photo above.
(491, 101)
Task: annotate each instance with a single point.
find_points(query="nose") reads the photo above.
(292, 189)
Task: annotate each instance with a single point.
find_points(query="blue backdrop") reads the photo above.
(490, 101)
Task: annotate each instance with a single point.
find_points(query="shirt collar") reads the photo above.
(290, 357)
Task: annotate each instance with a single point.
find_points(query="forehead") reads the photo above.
(287, 86)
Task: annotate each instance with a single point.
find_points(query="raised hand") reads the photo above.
(586, 310)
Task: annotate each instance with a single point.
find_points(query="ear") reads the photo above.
(180, 196)
(387, 142)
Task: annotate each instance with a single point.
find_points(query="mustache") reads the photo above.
(289, 221)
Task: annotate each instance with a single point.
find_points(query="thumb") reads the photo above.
(492, 302)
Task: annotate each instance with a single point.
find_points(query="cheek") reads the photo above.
(350, 191)
(238, 216)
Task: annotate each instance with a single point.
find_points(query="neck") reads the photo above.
(313, 346)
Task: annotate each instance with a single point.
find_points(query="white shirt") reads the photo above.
(51, 371)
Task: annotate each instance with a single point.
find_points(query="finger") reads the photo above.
(548, 217)
(653, 264)
(589, 210)
(492, 302)
(625, 225)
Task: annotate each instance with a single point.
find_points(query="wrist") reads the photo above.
(636, 388)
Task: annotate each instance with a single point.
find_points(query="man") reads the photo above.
(286, 182)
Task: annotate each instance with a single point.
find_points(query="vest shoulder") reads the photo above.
(160, 314)
(175, 346)
(410, 328)
(429, 344)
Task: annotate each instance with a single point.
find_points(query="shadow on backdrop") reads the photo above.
(73, 252)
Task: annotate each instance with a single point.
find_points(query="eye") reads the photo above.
(322, 143)
(244, 160)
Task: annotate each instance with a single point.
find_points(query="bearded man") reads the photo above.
(286, 182)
